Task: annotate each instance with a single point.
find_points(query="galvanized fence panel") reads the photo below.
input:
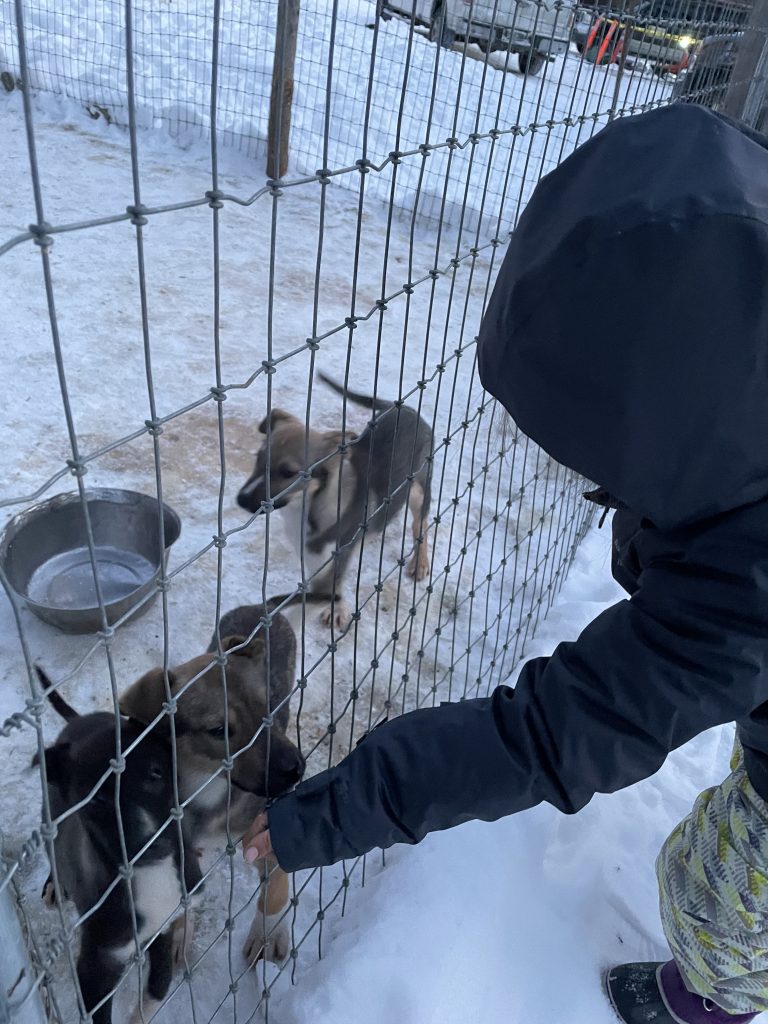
(185, 300)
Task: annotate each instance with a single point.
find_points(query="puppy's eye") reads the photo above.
(286, 472)
(217, 733)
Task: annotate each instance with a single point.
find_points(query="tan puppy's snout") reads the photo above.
(285, 769)
(252, 493)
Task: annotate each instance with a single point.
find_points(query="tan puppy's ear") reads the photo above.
(253, 649)
(274, 418)
(143, 701)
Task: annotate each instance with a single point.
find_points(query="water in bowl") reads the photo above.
(66, 580)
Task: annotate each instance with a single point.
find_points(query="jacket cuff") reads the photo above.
(315, 801)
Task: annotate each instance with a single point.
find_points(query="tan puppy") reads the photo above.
(335, 487)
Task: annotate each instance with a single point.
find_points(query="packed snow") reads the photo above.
(472, 924)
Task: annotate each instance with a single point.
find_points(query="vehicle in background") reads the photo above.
(709, 71)
(420, 10)
(534, 30)
(665, 33)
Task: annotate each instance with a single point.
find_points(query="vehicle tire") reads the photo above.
(438, 31)
(530, 63)
(579, 47)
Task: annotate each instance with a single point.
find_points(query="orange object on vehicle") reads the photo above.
(607, 36)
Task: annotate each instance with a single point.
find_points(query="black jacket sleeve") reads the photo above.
(687, 652)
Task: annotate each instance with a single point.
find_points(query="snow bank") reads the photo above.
(379, 92)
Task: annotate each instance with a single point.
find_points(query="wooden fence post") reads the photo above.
(281, 99)
(747, 88)
(628, 12)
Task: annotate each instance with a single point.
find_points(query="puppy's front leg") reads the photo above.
(182, 936)
(160, 974)
(98, 972)
(269, 935)
(330, 582)
(418, 504)
(183, 928)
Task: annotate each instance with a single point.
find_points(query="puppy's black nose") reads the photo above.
(252, 493)
(245, 500)
(297, 771)
(286, 772)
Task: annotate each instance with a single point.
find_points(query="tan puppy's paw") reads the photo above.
(338, 612)
(269, 938)
(418, 567)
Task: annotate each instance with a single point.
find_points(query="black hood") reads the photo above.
(627, 333)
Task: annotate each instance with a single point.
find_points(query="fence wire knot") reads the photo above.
(77, 467)
(48, 832)
(40, 234)
(138, 215)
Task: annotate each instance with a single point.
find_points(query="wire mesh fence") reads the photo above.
(186, 307)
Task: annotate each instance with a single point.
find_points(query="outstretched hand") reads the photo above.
(256, 841)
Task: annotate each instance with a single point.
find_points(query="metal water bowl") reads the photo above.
(45, 556)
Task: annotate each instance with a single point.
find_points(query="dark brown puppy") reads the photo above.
(260, 674)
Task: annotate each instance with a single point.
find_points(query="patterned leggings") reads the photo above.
(713, 890)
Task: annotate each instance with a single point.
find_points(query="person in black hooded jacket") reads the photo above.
(666, 409)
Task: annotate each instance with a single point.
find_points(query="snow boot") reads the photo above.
(654, 993)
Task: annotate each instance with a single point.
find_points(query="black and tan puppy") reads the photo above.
(356, 483)
(89, 857)
(260, 674)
